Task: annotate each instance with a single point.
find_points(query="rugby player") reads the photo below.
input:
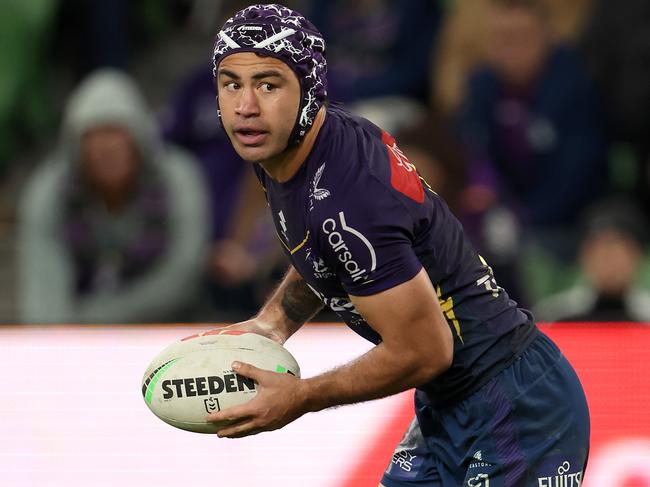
(496, 402)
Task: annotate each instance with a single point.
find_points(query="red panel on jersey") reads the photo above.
(403, 175)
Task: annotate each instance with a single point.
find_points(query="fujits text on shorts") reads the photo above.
(564, 478)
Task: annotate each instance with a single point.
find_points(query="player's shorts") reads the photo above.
(527, 427)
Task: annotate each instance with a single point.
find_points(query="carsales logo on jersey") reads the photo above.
(337, 232)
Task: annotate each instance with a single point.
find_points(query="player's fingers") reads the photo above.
(248, 370)
(235, 413)
(239, 430)
(243, 434)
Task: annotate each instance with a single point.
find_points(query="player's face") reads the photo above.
(259, 99)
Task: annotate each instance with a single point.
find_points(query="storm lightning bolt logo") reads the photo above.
(283, 224)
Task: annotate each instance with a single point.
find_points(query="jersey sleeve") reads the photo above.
(367, 235)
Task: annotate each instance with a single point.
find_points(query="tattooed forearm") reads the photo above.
(299, 303)
(291, 304)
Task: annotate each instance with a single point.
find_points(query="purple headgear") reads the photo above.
(277, 31)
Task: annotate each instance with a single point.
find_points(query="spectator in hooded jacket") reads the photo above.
(113, 225)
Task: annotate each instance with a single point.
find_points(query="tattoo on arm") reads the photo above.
(299, 303)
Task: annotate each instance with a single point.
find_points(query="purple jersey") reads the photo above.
(356, 219)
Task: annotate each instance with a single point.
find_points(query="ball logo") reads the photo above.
(339, 244)
(211, 405)
(206, 386)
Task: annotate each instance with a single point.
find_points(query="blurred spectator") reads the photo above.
(610, 258)
(113, 225)
(461, 45)
(531, 127)
(616, 45)
(244, 248)
(377, 48)
(460, 49)
(568, 18)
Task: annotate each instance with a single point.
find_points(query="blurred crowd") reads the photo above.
(122, 201)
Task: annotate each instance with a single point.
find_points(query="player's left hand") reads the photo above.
(278, 402)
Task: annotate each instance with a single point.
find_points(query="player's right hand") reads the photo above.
(256, 325)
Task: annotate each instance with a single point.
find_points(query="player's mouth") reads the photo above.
(251, 137)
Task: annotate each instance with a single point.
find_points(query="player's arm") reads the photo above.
(416, 346)
(288, 308)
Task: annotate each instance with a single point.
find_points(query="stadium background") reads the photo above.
(70, 404)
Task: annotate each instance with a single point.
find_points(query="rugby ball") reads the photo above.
(193, 377)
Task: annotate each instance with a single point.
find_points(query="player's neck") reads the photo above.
(285, 165)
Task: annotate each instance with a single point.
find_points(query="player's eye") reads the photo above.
(231, 86)
(267, 87)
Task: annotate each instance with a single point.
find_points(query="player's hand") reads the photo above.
(279, 401)
(256, 325)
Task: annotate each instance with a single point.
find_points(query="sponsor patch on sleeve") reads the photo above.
(403, 175)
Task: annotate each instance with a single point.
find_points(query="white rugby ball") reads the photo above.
(193, 377)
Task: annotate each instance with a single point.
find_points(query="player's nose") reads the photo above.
(247, 103)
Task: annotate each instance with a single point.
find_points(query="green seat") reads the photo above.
(25, 26)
